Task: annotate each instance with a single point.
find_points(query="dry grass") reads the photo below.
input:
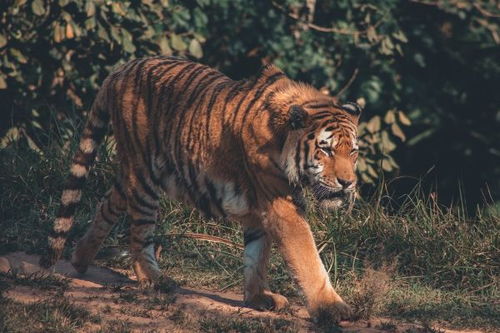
(447, 260)
(370, 291)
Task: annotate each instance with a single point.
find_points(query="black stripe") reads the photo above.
(192, 177)
(140, 209)
(58, 234)
(317, 105)
(67, 210)
(215, 93)
(96, 133)
(111, 209)
(85, 159)
(205, 82)
(306, 154)
(270, 81)
(120, 191)
(105, 217)
(144, 243)
(203, 205)
(74, 183)
(212, 192)
(141, 201)
(144, 184)
(321, 115)
(138, 82)
(297, 158)
(252, 235)
(202, 85)
(142, 221)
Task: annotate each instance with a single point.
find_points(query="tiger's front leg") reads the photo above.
(295, 241)
(256, 257)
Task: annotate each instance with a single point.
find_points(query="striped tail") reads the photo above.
(92, 136)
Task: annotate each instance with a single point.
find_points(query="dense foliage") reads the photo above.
(432, 60)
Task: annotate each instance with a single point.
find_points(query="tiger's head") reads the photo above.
(321, 150)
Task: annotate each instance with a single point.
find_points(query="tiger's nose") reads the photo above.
(344, 182)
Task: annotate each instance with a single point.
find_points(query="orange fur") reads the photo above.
(237, 149)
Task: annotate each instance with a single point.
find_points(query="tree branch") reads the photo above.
(325, 29)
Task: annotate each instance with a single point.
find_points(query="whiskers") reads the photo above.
(322, 191)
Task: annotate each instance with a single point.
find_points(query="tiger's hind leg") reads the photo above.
(256, 257)
(143, 204)
(108, 213)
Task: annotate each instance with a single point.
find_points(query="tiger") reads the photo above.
(242, 150)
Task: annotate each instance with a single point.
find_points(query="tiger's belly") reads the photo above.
(214, 198)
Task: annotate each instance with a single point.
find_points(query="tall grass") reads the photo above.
(427, 245)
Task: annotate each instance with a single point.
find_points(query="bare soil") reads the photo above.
(114, 297)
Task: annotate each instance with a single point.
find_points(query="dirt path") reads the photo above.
(115, 298)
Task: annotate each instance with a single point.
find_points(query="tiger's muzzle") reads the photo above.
(333, 198)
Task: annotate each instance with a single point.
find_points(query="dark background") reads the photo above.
(434, 62)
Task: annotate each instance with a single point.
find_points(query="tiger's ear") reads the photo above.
(354, 109)
(297, 117)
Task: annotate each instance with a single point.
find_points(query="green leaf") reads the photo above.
(101, 32)
(63, 3)
(12, 135)
(371, 34)
(177, 42)
(70, 33)
(396, 130)
(366, 179)
(399, 35)
(90, 23)
(3, 83)
(372, 171)
(19, 3)
(115, 34)
(386, 144)
(389, 117)
(90, 8)
(117, 8)
(404, 119)
(128, 45)
(374, 124)
(164, 47)
(3, 40)
(38, 7)
(419, 59)
(195, 49)
(18, 55)
(386, 165)
(361, 165)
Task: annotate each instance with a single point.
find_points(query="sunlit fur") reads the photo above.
(233, 149)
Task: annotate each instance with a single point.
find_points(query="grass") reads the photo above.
(37, 280)
(54, 315)
(408, 258)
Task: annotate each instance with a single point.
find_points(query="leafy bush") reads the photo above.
(433, 60)
(56, 53)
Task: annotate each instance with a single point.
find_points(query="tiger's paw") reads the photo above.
(330, 315)
(267, 301)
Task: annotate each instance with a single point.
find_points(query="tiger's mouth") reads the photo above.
(331, 198)
(322, 192)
